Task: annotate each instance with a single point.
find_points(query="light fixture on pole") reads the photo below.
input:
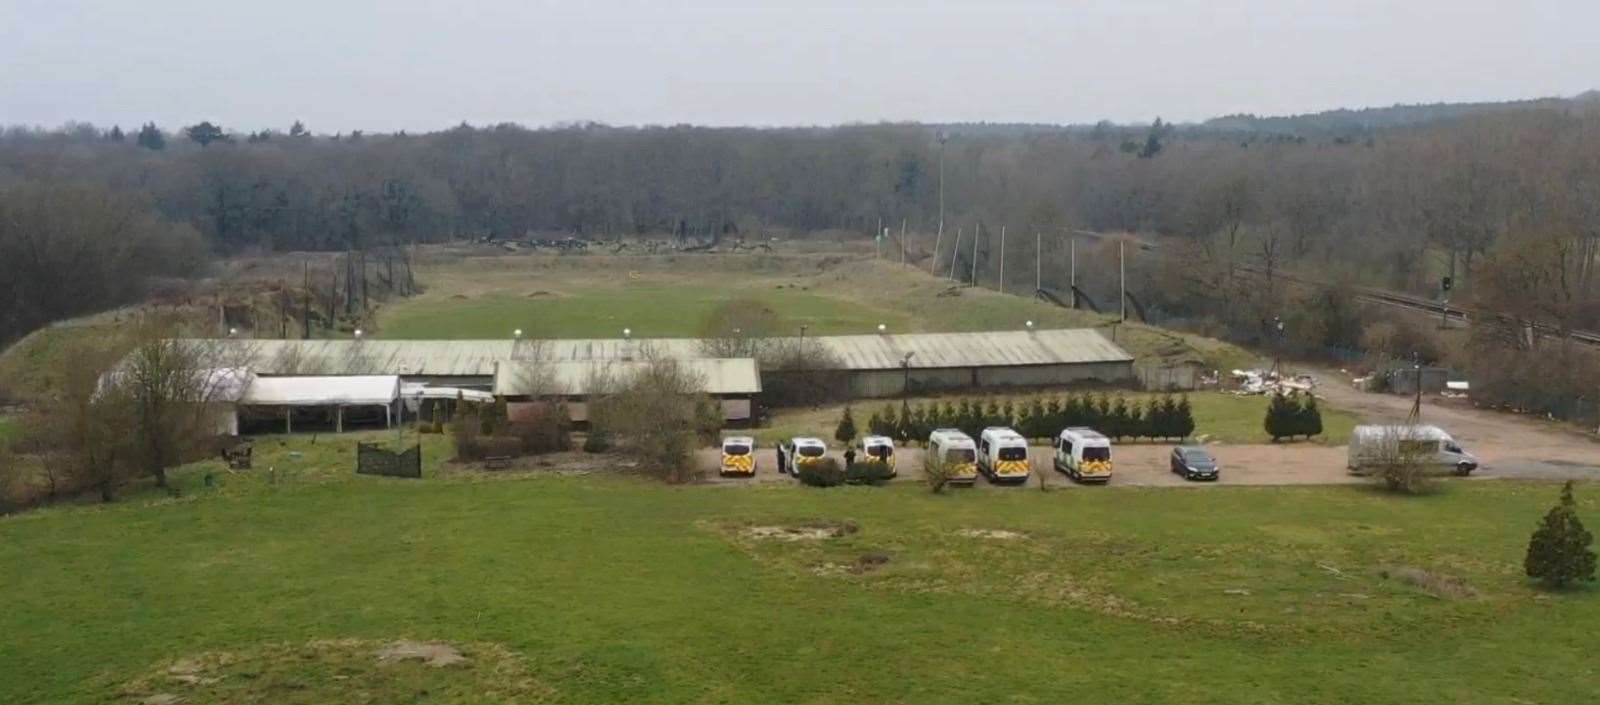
(905, 367)
(516, 333)
(1029, 324)
(882, 328)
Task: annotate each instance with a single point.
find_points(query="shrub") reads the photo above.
(500, 446)
(1281, 416)
(823, 472)
(937, 474)
(1183, 419)
(1559, 551)
(544, 431)
(465, 431)
(846, 430)
(1308, 418)
(866, 473)
(597, 442)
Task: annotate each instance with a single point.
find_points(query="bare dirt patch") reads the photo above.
(340, 671)
(802, 532)
(1444, 587)
(434, 654)
(992, 534)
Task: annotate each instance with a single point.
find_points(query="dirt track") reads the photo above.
(1508, 445)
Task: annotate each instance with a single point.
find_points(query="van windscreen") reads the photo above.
(879, 451)
(1013, 453)
(811, 451)
(736, 449)
(1096, 453)
(960, 455)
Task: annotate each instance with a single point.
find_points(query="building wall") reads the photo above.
(888, 383)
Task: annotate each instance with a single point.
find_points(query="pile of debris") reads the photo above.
(1257, 382)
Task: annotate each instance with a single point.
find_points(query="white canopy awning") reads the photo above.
(423, 391)
(375, 390)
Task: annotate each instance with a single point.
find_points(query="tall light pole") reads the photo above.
(905, 366)
(942, 139)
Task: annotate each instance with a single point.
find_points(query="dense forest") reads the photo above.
(1402, 197)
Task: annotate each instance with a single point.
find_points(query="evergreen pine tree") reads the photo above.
(875, 424)
(1116, 421)
(1183, 419)
(845, 432)
(904, 429)
(891, 421)
(1559, 551)
(1280, 420)
(991, 416)
(1310, 417)
(150, 137)
(1155, 422)
(1100, 414)
(1053, 420)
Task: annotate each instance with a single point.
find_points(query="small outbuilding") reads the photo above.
(733, 382)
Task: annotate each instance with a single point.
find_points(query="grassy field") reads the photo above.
(668, 296)
(606, 589)
(1221, 418)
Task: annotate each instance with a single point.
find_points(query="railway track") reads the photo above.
(1422, 305)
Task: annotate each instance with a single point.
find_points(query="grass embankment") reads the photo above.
(1219, 418)
(668, 296)
(610, 589)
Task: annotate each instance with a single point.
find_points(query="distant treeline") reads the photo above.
(1401, 207)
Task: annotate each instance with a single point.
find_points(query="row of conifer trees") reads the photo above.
(1163, 416)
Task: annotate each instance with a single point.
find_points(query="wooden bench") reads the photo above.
(497, 462)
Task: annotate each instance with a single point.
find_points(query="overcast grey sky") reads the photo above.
(404, 64)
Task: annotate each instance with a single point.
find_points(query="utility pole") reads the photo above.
(1002, 259)
(1122, 280)
(877, 237)
(1416, 405)
(977, 232)
(305, 299)
(955, 253)
(937, 241)
(942, 138)
(1072, 277)
(902, 241)
(1038, 261)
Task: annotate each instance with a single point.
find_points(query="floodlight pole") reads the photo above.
(1038, 261)
(1072, 276)
(977, 234)
(902, 241)
(1002, 259)
(955, 253)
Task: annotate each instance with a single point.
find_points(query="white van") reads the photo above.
(1084, 454)
(1003, 455)
(738, 456)
(877, 449)
(955, 449)
(1372, 447)
(798, 451)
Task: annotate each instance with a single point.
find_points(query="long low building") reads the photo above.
(874, 365)
(733, 382)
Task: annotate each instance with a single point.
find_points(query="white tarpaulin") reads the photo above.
(377, 390)
(422, 391)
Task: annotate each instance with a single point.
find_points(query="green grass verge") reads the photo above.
(611, 589)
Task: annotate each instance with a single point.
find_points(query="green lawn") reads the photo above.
(659, 297)
(1221, 418)
(612, 589)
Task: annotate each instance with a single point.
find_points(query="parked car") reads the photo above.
(1195, 463)
(799, 451)
(738, 456)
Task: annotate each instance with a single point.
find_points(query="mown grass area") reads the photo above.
(1219, 418)
(669, 296)
(608, 589)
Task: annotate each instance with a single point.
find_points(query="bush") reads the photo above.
(1559, 551)
(823, 472)
(500, 446)
(937, 474)
(846, 430)
(467, 432)
(597, 442)
(545, 431)
(1281, 420)
(867, 473)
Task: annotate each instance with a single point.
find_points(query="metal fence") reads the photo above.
(374, 459)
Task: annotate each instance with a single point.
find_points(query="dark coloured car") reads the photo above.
(1195, 463)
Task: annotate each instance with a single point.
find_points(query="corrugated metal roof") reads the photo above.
(722, 375)
(854, 352)
(322, 391)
